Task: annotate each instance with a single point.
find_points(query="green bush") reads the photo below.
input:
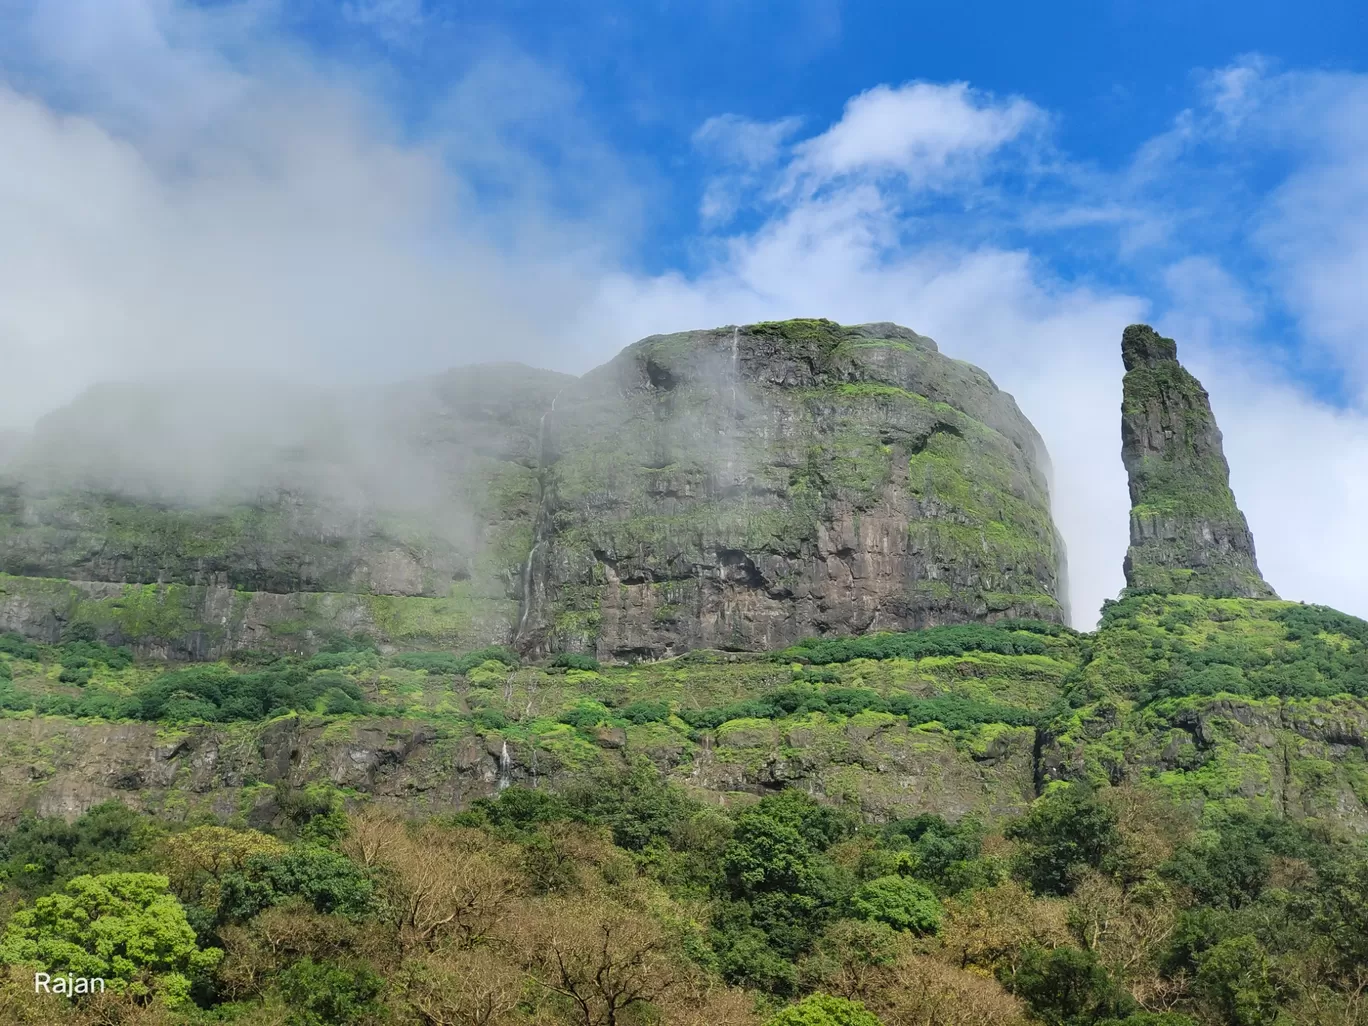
(576, 661)
(901, 903)
(824, 1010)
(645, 712)
(449, 662)
(82, 653)
(1066, 829)
(432, 662)
(585, 714)
(216, 693)
(956, 712)
(934, 641)
(20, 647)
(489, 719)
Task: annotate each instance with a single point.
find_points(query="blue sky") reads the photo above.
(345, 190)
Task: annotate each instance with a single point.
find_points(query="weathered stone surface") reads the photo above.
(1186, 533)
(744, 487)
(192, 622)
(412, 490)
(739, 488)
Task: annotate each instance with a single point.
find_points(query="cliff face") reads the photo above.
(405, 515)
(1186, 533)
(744, 487)
(739, 488)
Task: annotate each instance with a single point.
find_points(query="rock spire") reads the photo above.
(1187, 535)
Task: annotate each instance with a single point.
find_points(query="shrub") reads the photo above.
(449, 662)
(432, 662)
(19, 647)
(216, 693)
(824, 1010)
(956, 712)
(576, 661)
(586, 714)
(934, 641)
(645, 712)
(901, 903)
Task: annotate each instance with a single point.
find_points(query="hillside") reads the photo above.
(742, 697)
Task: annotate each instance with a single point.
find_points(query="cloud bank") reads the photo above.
(190, 191)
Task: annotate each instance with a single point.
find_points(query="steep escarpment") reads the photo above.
(739, 488)
(745, 487)
(405, 514)
(1187, 535)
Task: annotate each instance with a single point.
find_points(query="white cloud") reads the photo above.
(732, 139)
(273, 215)
(921, 130)
(742, 150)
(168, 209)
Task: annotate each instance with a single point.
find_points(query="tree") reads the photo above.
(1066, 829)
(125, 928)
(924, 991)
(853, 959)
(327, 880)
(824, 1010)
(1127, 930)
(636, 802)
(602, 961)
(435, 884)
(990, 929)
(901, 903)
(42, 851)
(321, 993)
(1236, 979)
(775, 864)
(1067, 987)
(196, 861)
(461, 988)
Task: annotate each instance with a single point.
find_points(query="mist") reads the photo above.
(245, 250)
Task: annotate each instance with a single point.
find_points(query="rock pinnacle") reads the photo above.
(1187, 535)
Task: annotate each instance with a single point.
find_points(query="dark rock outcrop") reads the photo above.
(1186, 533)
(744, 487)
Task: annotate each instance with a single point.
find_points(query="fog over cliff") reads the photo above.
(189, 194)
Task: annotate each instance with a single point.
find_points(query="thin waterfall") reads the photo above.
(527, 588)
(505, 767)
(537, 527)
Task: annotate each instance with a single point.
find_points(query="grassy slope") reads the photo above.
(1239, 702)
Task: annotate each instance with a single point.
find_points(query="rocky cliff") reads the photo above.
(738, 488)
(1186, 533)
(748, 486)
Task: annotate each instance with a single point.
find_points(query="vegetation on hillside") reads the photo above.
(622, 900)
(1150, 885)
